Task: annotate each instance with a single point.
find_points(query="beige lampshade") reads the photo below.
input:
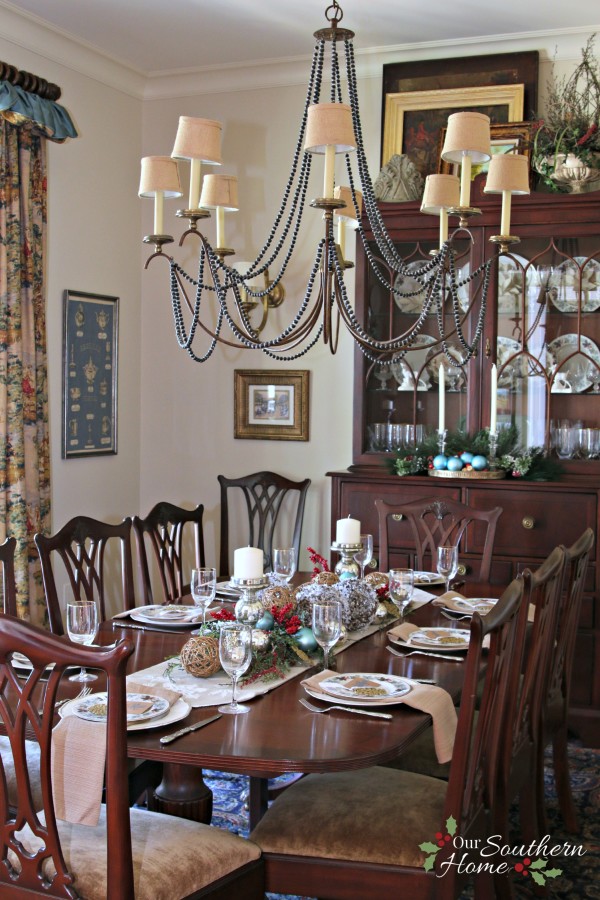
(220, 190)
(159, 173)
(441, 192)
(329, 124)
(467, 132)
(344, 193)
(198, 139)
(508, 172)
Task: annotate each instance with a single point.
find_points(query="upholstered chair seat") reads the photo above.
(32, 750)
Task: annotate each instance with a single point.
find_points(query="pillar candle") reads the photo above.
(442, 401)
(248, 563)
(347, 531)
(494, 403)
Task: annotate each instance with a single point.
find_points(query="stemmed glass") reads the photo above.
(82, 627)
(235, 653)
(203, 587)
(401, 587)
(284, 562)
(326, 625)
(447, 563)
(364, 556)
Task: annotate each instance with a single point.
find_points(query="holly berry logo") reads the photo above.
(441, 839)
(537, 869)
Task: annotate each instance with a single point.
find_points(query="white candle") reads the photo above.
(347, 531)
(465, 180)
(328, 178)
(443, 226)
(442, 400)
(195, 168)
(494, 403)
(505, 219)
(159, 201)
(342, 236)
(248, 563)
(220, 227)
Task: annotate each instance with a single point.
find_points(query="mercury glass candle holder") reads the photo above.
(248, 609)
(347, 567)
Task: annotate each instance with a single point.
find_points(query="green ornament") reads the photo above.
(266, 621)
(305, 640)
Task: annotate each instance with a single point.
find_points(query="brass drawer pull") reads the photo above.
(528, 522)
(372, 564)
(397, 517)
(462, 569)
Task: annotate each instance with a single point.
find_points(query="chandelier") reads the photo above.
(215, 307)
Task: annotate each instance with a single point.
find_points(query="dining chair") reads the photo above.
(267, 495)
(82, 546)
(9, 588)
(131, 854)
(357, 834)
(433, 523)
(164, 530)
(555, 700)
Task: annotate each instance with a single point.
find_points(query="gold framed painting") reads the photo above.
(271, 405)
(413, 119)
(515, 137)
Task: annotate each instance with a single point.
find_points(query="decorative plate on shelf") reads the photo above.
(564, 285)
(455, 377)
(511, 275)
(516, 370)
(412, 366)
(574, 366)
(410, 284)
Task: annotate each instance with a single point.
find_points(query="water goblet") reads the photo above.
(326, 625)
(447, 563)
(284, 562)
(203, 587)
(364, 556)
(82, 627)
(401, 587)
(235, 653)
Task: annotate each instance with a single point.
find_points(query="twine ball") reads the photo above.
(377, 579)
(276, 596)
(325, 578)
(200, 656)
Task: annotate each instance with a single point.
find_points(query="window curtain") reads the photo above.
(24, 431)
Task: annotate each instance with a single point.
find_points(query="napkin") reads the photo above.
(449, 596)
(426, 697)
(77, 767)
(133, 687)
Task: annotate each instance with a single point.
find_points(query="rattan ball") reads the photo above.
(377, 579)
(276, 596)
(200, 656)
(326, 578)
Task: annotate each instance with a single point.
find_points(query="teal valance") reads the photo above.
(52, 119)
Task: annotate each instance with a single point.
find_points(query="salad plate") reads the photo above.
(175, 713)
(140, 707)
(447, 640)
(370, 686)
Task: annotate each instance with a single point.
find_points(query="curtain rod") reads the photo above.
(33, 84)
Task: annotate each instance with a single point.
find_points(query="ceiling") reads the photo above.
(154, 36)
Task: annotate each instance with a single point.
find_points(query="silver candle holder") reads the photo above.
(248, 609)
(493, 449)
(442, 435)
(347, 567)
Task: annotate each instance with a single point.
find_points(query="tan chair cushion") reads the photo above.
(373, 815)
(421, 757)
(32, 750)
(172, 857)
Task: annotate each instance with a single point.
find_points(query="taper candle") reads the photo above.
(442, 400)
(465, 180)
(494, 403)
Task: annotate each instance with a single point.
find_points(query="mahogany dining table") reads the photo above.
(278, 735)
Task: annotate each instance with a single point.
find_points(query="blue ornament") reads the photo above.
(345, 576)
(440, 461)
(479, 463)
(266, 621)
(466, 457)
(305, 640)
(455, 464)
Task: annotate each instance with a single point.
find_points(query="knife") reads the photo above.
(176, 734)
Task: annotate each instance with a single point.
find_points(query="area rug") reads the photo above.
(579, 873)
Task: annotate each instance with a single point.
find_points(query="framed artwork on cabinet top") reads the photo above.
(271, 406)
(90, 353)
(413, 120)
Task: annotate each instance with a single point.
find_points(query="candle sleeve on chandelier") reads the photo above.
(159, 179)
(442, 192)
(508, 174)
(467, 141)
(329, 130)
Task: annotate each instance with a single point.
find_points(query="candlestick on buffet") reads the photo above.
(248, 563)
(494, 401)
(347, 531)
(442, 401)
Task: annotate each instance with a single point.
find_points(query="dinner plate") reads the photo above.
(433, 640)
(428, 578)
(172, 616)
(94, 708)
(467, 606)
(226, 589)
(365, 702)
(21, 662)
(361, 686)
(176, 713)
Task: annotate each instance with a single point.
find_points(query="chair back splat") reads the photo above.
(434, 523)
(9, 589)
(264, 494)
(82, 546)
(164, 529)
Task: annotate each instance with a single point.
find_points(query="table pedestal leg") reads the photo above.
(182, 792)
(258, 799)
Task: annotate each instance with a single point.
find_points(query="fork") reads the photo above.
(448, 658)
(82, 693)
(350, 709)
(453, 618)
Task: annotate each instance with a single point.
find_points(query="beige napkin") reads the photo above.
(77, 766)
(425, 697)
(134, 687)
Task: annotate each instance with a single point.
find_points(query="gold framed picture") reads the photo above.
(413, 119)
(271, 406)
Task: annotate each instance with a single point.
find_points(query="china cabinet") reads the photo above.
(542, 330)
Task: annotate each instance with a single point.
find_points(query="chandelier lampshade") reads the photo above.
(159, 179)
(508, 174)
(220, 191)
(442, 192)
(199, 141)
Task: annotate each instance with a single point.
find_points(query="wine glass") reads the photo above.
(284, 562)
(364, 556)
(326, 625)
(203, 587)
(401, 587)
(235, 653)
(82, 627)
(447, 563)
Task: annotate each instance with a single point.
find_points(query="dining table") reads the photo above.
(279, 736)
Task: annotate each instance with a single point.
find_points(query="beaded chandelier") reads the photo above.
(327, 128)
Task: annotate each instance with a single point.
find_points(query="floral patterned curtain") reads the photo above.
(24, 433)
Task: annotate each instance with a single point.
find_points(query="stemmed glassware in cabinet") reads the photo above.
(447, 563)
(327, 625)
(284, 562)
(401, 587)
(203, 587)
(235, 653)
(364, 556)
(82, 627)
